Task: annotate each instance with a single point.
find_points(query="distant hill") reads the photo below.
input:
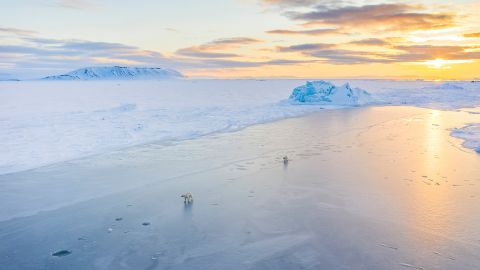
(117, 73)
(7, 77)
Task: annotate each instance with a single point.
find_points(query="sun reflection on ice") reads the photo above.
(432, 192)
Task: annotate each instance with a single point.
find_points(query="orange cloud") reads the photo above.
(472, 35)
(313, 32)
(370, 42)
(398, 17)
(214, 48)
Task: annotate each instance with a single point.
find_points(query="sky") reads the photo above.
(421, 39)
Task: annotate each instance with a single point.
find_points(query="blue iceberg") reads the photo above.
(323, 92)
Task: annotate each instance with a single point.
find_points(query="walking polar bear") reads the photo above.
(187, 197)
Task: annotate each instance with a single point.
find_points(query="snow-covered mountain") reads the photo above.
(117, 73)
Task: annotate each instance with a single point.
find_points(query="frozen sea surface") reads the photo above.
(366, 188)
(43, 123)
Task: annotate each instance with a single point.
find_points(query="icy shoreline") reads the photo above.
(47, 122)
(470, 134)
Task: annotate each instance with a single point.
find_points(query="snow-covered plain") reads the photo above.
(44, 122)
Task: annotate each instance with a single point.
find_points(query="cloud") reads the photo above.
(290, 2)
(171, 29)
(399, 17)
(28, 50)
(348, 57)
(39, 54)
(312, 32)
(236, 40)
(228, 43)
(95, 46)
(77, 4)
(37, 57)
(305, 3)
(428, 52)
(305, 47)
(330, 53)
(214, 49)
(370, 42)
(472, 35)
(197, 52)
(16, 31)
(221, 63)
(59, 47)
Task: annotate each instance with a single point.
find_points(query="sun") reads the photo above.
(437, 63)
(441, 63)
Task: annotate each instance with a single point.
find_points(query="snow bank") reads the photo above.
(470, 134)
(323, 92)
(117, 73)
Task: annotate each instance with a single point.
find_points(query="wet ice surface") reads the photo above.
(364, 188)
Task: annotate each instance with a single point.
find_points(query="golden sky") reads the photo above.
(246, 38)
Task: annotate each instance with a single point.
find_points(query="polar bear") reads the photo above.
(187, 197)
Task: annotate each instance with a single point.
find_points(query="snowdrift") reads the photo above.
(323, 92)
(117, 73)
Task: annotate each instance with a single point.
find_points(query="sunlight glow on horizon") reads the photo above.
(440, 63)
